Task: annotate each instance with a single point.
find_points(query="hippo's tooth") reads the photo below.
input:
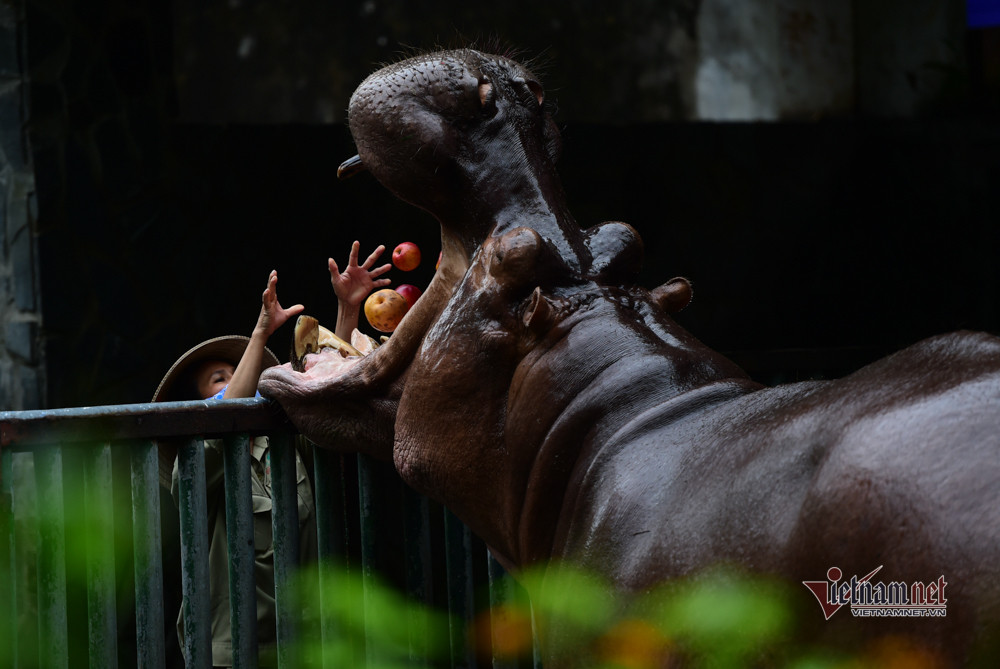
(362, 342)
(305, 340)
(350, 167)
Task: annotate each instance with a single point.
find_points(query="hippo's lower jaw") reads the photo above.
(349, 404)
(330, 403)
(319, 369)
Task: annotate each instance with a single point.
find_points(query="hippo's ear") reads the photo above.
(536, 314)
(616, 252)
(513, 257)
(673, 296)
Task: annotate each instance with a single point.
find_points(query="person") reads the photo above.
(229, 367)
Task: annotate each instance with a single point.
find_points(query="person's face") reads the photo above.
(212, 376)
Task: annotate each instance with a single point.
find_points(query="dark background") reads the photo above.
(177, 163)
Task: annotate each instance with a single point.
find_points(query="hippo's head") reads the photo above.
(465, 136)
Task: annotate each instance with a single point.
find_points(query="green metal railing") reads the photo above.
(371, 524)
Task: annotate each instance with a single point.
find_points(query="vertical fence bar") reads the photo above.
(536, 648)
(24, 536)
(285, 518)
(8, 614)
(53, 634)
(331, 530)
(101, 604)
(147, 553)
(330, 507)
(501, 597)
(369, 509)
(419, 569)
(192, 508)
(461, 604)
(239, 535)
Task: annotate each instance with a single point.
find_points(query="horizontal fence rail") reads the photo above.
(95, 474)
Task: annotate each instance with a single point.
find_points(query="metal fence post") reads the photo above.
(52, 627)
(331, 530)
(285, 518)
(461, 603)
(192, 509)
(101, 604)
(24, 536)
(239, 535)
(368, 508)
(419, 570)
(9, 612)
(147, 551)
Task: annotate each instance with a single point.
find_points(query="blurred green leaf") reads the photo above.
(723, 616)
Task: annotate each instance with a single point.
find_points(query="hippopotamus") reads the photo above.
(560, 411)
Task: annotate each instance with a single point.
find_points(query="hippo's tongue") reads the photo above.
(350, 167)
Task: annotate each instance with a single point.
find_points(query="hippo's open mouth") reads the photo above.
(438, 131)
(350, 402)
(328, 364)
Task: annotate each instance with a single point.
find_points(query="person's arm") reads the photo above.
(353, 285)
(272, 316)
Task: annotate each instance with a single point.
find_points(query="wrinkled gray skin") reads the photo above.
(562, 414)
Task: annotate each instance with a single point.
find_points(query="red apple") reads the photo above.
(385, 308)
(409, 292)
(406, 256)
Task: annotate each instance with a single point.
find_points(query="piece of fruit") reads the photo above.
(385, 308)
(440, 255)
(409, 292)
(406, 256)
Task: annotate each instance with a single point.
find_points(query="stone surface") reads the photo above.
(765, 61)
(23, 373)
(20, 339)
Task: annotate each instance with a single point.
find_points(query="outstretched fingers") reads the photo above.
(276, 315)
(370, 260)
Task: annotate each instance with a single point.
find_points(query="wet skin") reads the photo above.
(562, 414)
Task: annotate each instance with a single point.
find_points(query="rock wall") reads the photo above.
(22, 358)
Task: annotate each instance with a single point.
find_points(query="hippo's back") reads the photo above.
(905, 450)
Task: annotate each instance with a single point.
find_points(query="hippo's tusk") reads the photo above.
(350, 167)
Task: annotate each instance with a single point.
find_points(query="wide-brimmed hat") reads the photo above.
(229, 348)
(176, 384)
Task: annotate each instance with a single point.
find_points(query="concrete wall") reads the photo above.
(638, 61)
(22, 368)
(766, 60)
